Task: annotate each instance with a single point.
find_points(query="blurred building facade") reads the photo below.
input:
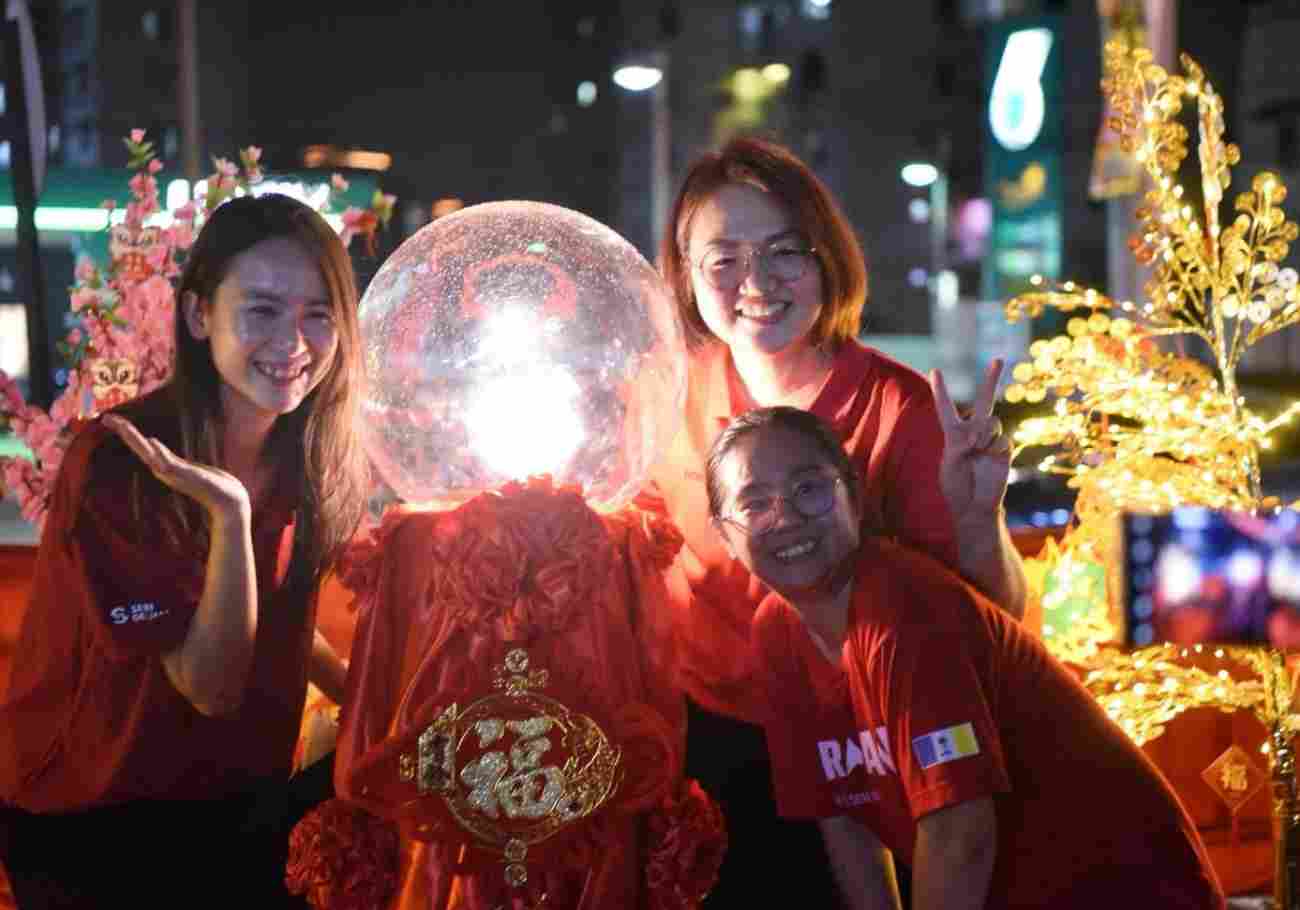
(474, 103)
(859, 89)
(869, 89)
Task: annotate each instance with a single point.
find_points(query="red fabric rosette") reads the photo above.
(342, 858)
(688, 839)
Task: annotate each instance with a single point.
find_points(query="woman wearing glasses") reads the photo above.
(944, 695)
(771, 282)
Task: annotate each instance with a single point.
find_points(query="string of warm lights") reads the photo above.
(1181, 429)
(1139, 428)
(1144, 691)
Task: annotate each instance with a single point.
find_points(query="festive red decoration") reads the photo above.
(524, 589)
(342, 858)
(688, 839)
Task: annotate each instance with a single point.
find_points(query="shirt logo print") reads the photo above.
(141, 611)
(868, 751)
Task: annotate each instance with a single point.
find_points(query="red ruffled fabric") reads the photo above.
(448, 595)
(359, 566)
(688, 839)
(342, 858)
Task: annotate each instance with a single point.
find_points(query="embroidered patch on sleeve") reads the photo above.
(948, 744)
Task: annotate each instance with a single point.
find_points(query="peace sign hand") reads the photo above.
(220, 493)
(976, 455)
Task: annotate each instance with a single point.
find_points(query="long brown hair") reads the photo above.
(775, 170)
(316, 446)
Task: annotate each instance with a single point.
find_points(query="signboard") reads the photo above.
(1023, 140)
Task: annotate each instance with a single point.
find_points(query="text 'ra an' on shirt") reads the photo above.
(940, 698)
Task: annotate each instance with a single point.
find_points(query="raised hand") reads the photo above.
(976, 455)
(219, 492)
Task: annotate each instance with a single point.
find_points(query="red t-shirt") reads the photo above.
(951, 700)
(885, 414)
(90, 717)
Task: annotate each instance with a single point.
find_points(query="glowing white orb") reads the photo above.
(519, 338)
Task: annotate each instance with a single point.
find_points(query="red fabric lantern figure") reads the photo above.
(512, 705)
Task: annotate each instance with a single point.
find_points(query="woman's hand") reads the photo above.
(219, 492)
(210, 668)
(973, 476)
(976, 455)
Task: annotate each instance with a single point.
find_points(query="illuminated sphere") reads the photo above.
(513, 339)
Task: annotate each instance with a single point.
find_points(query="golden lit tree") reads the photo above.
(1138, 427)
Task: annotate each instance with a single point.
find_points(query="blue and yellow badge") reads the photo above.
(948, 744)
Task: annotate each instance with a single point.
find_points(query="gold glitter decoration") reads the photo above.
(1180, 429)
(1133, 426)
(519, 679)
(516, 661)
(506, 794)
(1234, 777)
(1137, 428)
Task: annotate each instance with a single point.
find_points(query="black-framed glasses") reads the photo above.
(811, 497)
(726, 267)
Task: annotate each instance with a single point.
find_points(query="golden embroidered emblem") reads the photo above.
(515, 767)
(1234, 777)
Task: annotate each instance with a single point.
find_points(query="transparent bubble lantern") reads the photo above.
(513, 339)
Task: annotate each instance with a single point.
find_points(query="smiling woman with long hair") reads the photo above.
(147, 735)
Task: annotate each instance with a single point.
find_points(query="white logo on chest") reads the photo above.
(144, 611)
(867, 751)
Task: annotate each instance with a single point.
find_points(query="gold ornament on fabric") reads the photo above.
(1234, 777)
(515, 767)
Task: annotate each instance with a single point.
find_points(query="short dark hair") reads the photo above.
(775, 170)
(804, 423)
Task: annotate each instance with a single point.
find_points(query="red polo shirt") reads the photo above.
(885, 414)
(950, 701)
(90, 717)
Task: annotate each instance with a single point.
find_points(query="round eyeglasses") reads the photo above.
(726, 268)
(811, 497)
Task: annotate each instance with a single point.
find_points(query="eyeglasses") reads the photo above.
(726, 268)
(811, 497)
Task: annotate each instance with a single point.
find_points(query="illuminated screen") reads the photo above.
(1200, 575)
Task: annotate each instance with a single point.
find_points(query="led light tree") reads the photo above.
(1137, 427)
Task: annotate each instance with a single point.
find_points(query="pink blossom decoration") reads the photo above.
(126, 313)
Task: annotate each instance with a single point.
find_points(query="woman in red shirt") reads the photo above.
(771, 282)
(945, 763)
(147, 734)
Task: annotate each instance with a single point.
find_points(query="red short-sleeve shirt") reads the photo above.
(883, 411)
(939, 699)
(90, 717)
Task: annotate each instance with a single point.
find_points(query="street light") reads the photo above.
(919, 174)
(637, 78)
(952, 337)
(924, 175)
(649, 72)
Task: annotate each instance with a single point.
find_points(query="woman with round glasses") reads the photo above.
(771, 282)
(943, 697)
